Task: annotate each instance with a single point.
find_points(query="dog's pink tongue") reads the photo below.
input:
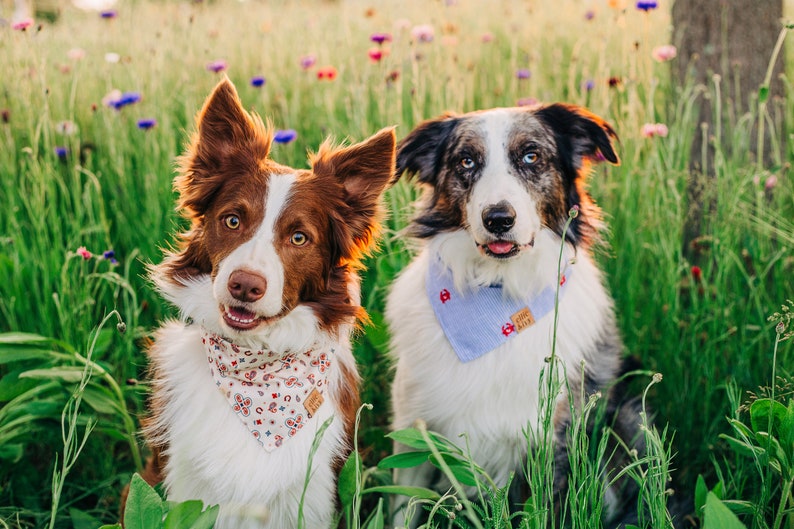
(500, 247)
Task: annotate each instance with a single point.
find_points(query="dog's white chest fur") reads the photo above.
(495, 397)
(213, 457)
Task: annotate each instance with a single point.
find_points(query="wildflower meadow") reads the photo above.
(97, 103)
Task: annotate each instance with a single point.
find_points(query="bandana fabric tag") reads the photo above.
(274, 396)
(481, 320)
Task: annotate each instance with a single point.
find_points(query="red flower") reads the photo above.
(327, 73)
(696, 272)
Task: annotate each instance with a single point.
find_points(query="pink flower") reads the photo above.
(486, 37)
(217, 66)
(23, 24)
(423, 33)
(85, 254)
(770, 183)
(649, 130)
(76, 54)
(527, 102)
(307, 61)
(664, 53)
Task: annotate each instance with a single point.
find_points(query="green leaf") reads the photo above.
(701, 490)
(17, 338)
(207, 518)
(65, 373)
(716, 515)
(83, 520)
(144, 508)
(763, 94)
(410, 437)
(15, 353)
(412, 492)
(11, 452)
(348, 480)
(114, 526)
(377, 521)
(100, 399)
(460, 469)
(11, 386)
(765, 413)
(183, 514)
(742, 447)
(404, 459)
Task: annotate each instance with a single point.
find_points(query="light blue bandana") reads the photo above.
(481, 320)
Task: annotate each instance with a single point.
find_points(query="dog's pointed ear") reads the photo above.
(364, 170)
(580, 134)
(228, 142)
(422, 151)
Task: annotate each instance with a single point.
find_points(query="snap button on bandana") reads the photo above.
(274, 396)
(481, 320)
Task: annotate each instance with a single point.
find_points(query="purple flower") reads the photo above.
(523, 73)
(110, 255)
(589, 14)
(109, 13)
(146, 123)
(257, 81)
(285, 136)
(527, 102)
(61, 152)
(217, 66)
(588, 85)
(380, 38)
(126, 98)
(423, 33)
(307, 61)
(646, 5)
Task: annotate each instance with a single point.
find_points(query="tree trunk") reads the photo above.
(732, 39)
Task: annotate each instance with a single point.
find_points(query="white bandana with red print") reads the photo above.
(275, 396)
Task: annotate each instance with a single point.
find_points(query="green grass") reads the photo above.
(709, 337)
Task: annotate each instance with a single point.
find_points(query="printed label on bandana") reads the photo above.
(274, 396)
(479, 321)
(522, 319)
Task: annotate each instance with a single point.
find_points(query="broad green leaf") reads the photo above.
(765, 413)
(701, 490)
(376, 521)
(100, 399)
(114, 526)
(460, 469)
(787, 428)
(410, 437)
(11, 386)
(405, 459)
(743, 448)
(183, 514)
(144, 509)
(348, 479)
(207, 518)
(716, 515)
(83, 520)
(412, 492)
(15, 353)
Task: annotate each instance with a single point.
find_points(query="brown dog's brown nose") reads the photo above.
(246, 286)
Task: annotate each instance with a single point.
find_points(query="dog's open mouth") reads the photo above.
(241, 319)
(503, 249)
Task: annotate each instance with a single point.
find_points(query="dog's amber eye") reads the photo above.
(467, 163)
(530, 158)
(298, 238)
(232, 222)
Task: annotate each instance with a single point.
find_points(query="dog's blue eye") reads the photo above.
(232, 222)
(530, 158)
(467, 163)
(298, 238)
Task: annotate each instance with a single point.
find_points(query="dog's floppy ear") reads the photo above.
(581, 135)
(421, 152)
(365, 171)
(228, 142)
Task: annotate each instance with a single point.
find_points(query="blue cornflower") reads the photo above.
(127, 98)
(61, 152)
(257, 81)
(285, 136)
(146, 123)
(647, 5)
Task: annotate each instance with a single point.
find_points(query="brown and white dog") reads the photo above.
(265, 281)
(472, 316)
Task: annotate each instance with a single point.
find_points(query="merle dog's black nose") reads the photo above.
(499, 218)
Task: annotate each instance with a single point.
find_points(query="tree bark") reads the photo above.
(729, 42)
